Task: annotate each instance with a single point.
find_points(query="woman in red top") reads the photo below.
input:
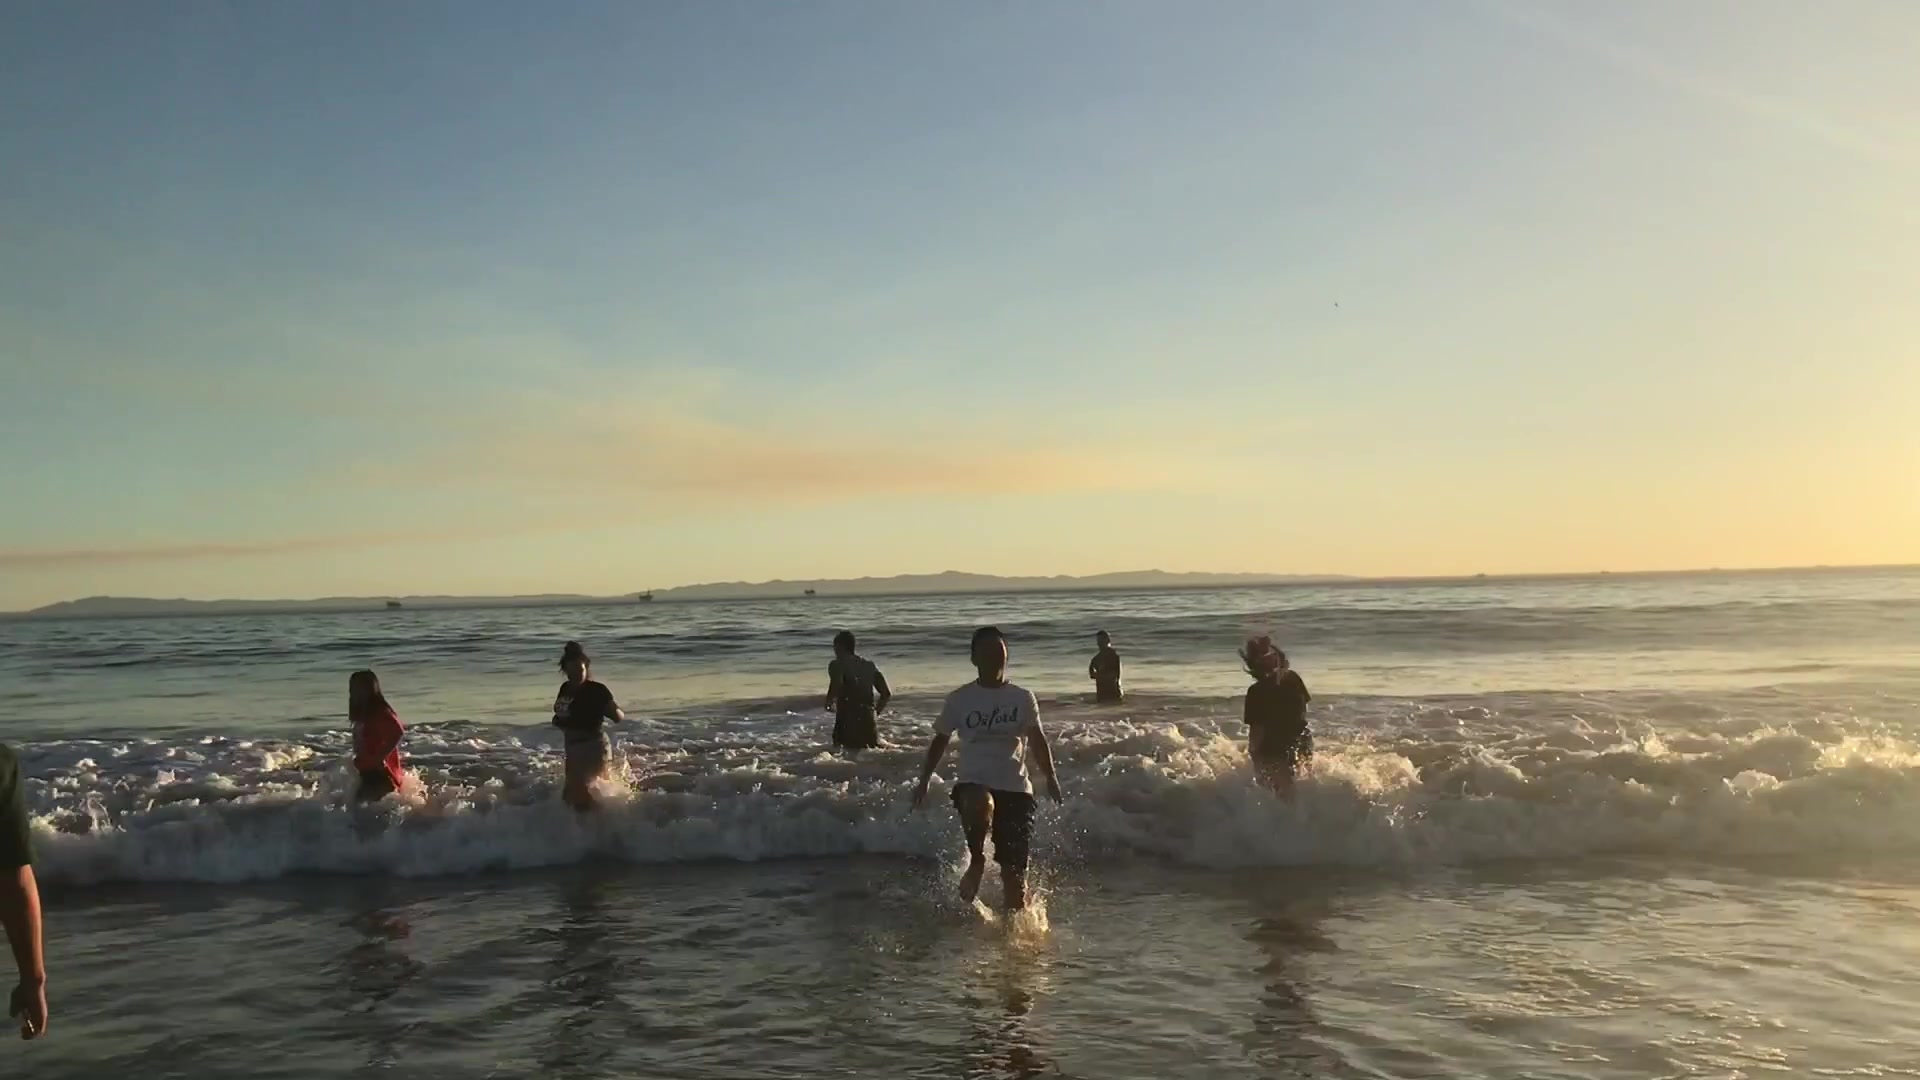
(376, 737)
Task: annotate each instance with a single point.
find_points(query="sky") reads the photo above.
(359, 298)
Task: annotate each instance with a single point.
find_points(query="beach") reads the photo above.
(1594, 827)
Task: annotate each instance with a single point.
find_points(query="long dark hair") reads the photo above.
(364, 698)
(1263, 659)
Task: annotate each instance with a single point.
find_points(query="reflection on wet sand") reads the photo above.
(377, 968)
(1283, 1021)
(1001, 1044)
(1009, 981)
(581, 983)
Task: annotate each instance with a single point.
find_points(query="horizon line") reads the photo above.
(1257, 578)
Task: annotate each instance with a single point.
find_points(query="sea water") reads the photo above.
(1598, 827)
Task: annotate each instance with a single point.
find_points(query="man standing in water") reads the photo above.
(20, 902)
(1104, 670)
(998, 724)
(857, 693)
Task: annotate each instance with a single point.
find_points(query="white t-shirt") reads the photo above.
(992, 724)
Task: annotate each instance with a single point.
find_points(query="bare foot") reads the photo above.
(970, 881)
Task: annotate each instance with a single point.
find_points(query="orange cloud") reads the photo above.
(47, 558)
(557, 447)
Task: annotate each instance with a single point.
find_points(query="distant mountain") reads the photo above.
(952, 581)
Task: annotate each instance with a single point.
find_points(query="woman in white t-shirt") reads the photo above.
(997, 724)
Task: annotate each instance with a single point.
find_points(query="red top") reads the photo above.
(376, 744)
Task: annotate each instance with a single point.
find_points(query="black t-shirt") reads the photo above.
(16, 850)
(582, 709)
(853, 680)
(1279, 705)
(1105, 666)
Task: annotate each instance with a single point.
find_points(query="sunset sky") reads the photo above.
(302, 299)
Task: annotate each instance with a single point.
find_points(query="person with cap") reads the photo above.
(581, 710)
(1104, 670)
(857, 693)
(998, 725)
(20, 902)
(1278, 739)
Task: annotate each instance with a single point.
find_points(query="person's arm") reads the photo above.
(1043, 758)
(935, 752)
(386, 736)
(612, 711)
(886, 692)
(20, 913)
(833, 684)
(1093, 667)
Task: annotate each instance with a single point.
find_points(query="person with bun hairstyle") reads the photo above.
(581, 710)
(1279, 742)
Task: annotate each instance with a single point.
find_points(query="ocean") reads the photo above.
(1626, 826)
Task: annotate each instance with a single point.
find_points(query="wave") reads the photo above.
(1425, 786)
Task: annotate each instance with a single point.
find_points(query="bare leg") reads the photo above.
(579, 793)
(1278, 777)
(976, 817)
(1014, 879)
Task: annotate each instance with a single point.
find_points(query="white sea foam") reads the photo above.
(1391, 787)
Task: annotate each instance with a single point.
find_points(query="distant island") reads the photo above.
(952, 581)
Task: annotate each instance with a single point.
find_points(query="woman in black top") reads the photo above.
(581, 709)
(1278, 739)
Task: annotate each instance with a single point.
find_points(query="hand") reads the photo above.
(1053, 789)
(29, 1003)
(919, 794)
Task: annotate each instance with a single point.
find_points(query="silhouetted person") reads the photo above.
(1278, 739)
(1104, 670)
(857, 693)
(998, 725)
(581, 709)
(20, 902)
(376, 737)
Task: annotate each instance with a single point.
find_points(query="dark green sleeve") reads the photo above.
(15, 850)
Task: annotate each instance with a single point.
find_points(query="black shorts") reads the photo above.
(856, 729)
(374, 784)
(1287, 757)
(1012, 824)
(1108, 693)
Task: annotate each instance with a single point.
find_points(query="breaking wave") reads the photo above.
(1396, 784)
